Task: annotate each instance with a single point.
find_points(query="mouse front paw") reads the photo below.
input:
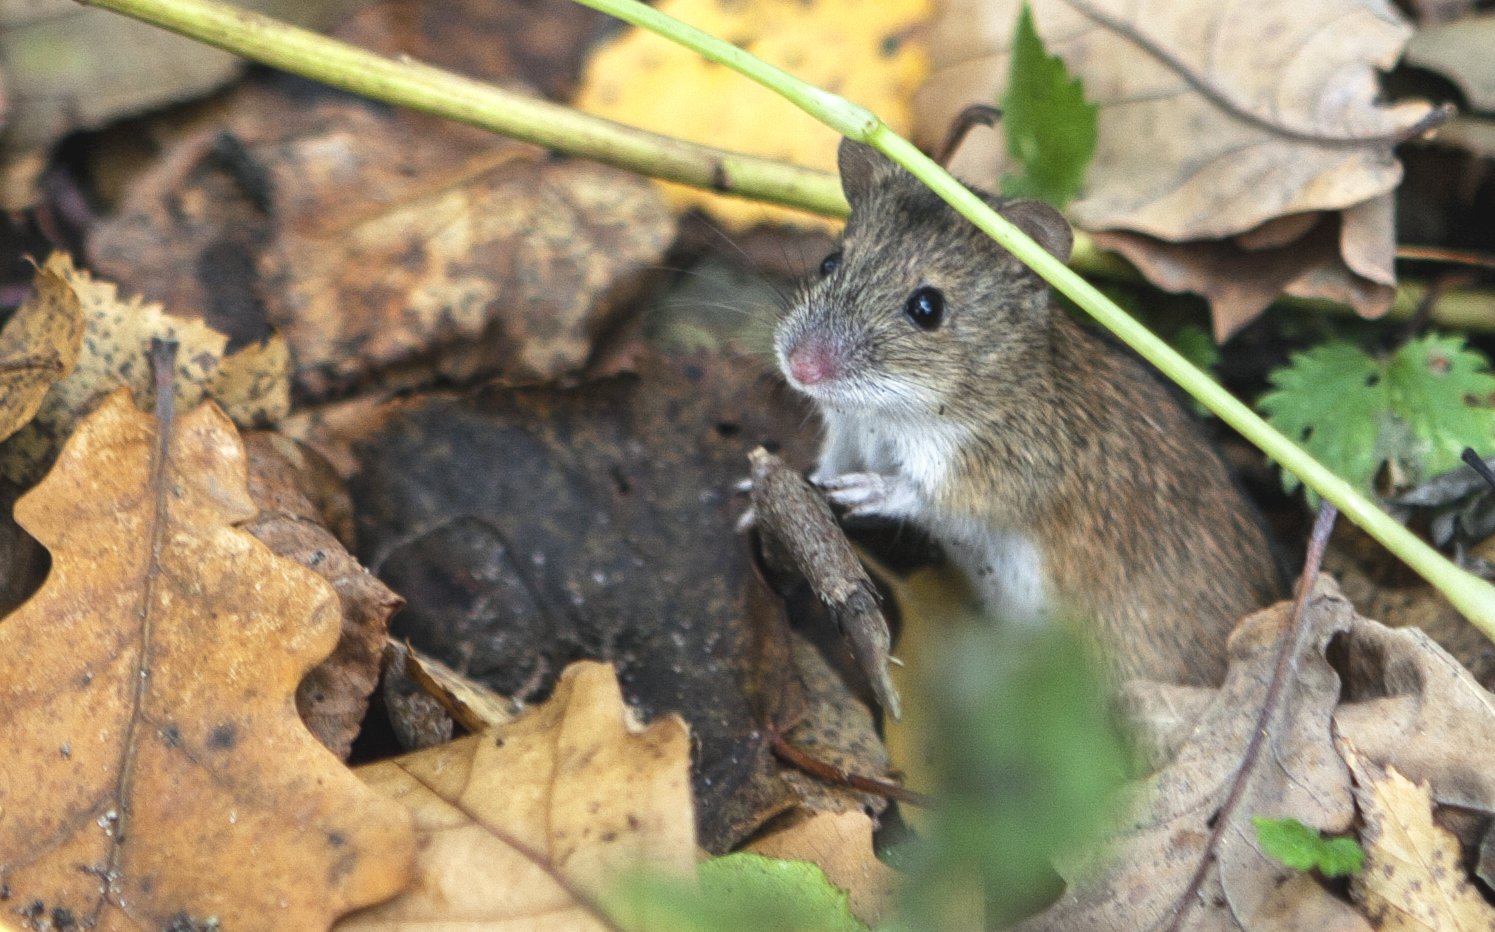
(870, 494)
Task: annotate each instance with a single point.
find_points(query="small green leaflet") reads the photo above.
(745, 893)
(1415, 410)
(1050, 129)
(1301, 848)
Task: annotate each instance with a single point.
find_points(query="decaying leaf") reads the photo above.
(57, 82)
(870, 51)
(388, 244)
(38, 346)
(534, 822)
(1413, 880)
(1139, 877)
(148, 689)
(252, 385)
(841, 843)
(1253, 126)
(334, 696)
(418, 720)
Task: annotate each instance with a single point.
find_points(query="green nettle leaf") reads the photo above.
(1297, 846)
(1413, 412)
(1050, 129)
(746, 893)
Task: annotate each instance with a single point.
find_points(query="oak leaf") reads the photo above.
(530, 825)
(38, 346)
(251, 385)
(1413, 877)
(1243, 129)
(147, 687)
(1137, 880)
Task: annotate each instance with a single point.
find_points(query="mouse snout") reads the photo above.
(812, 361)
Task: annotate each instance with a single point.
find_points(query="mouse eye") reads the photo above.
(926, 308)
(830, 263)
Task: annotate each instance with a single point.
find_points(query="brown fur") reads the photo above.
(1064, 439)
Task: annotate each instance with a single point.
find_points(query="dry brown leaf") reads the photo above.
(471, 704)
(1413, 879)
(841, 844)
(334, 696)
(38, 346)
(528, 826)
(147, 688)
(1214, 120)
(391, 245)
(1140, 875)
(57, 82)
(417, 719)
(252, 385)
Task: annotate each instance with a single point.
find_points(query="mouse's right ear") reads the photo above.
(860, 166)
(1040, 221)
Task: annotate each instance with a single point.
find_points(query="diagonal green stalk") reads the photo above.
(442, 93)
(1472, 596)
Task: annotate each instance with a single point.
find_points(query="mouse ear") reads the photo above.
(860, 166)
(1045, 224)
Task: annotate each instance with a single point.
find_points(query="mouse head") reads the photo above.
(917, 310)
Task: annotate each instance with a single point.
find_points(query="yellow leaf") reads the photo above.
(528, 825)
(870, 51)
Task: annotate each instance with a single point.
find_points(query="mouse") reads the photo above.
(1055, 468)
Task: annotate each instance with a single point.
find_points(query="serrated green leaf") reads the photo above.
(1330, 399)
(1050, 129)
(1297, 846)
(745, 893)
(1414, 411)
(1433, 381)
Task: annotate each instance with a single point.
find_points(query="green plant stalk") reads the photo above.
(1472, 596)
(445, 94)
(521, 116)
(418, 86)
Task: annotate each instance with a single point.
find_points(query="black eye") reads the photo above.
(926, 308)
(830, 263)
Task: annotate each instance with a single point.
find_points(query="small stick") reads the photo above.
(830, 773)
(1323, 525)
(1478, 465)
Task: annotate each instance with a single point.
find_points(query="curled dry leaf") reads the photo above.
(148, 688)
(334, 696)
(251, 385)
(1137, 880)
(1216, 122)
(471, 704)
(1413, 879)
(534, 822)
(38, 346)
(418, 720)
(801, 535)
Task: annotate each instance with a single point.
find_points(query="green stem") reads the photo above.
(1472, 596)
(442, 93)
(422, 87)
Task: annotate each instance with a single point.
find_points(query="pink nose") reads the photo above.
(811, 362)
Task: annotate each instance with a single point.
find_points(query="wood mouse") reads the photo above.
(1055, 468)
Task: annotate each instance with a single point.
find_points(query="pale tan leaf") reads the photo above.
(526, 827)
(471, 704)
(38, 346)
(841, 844)
(1413, 879)
(148, 689)
(1460, 51)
